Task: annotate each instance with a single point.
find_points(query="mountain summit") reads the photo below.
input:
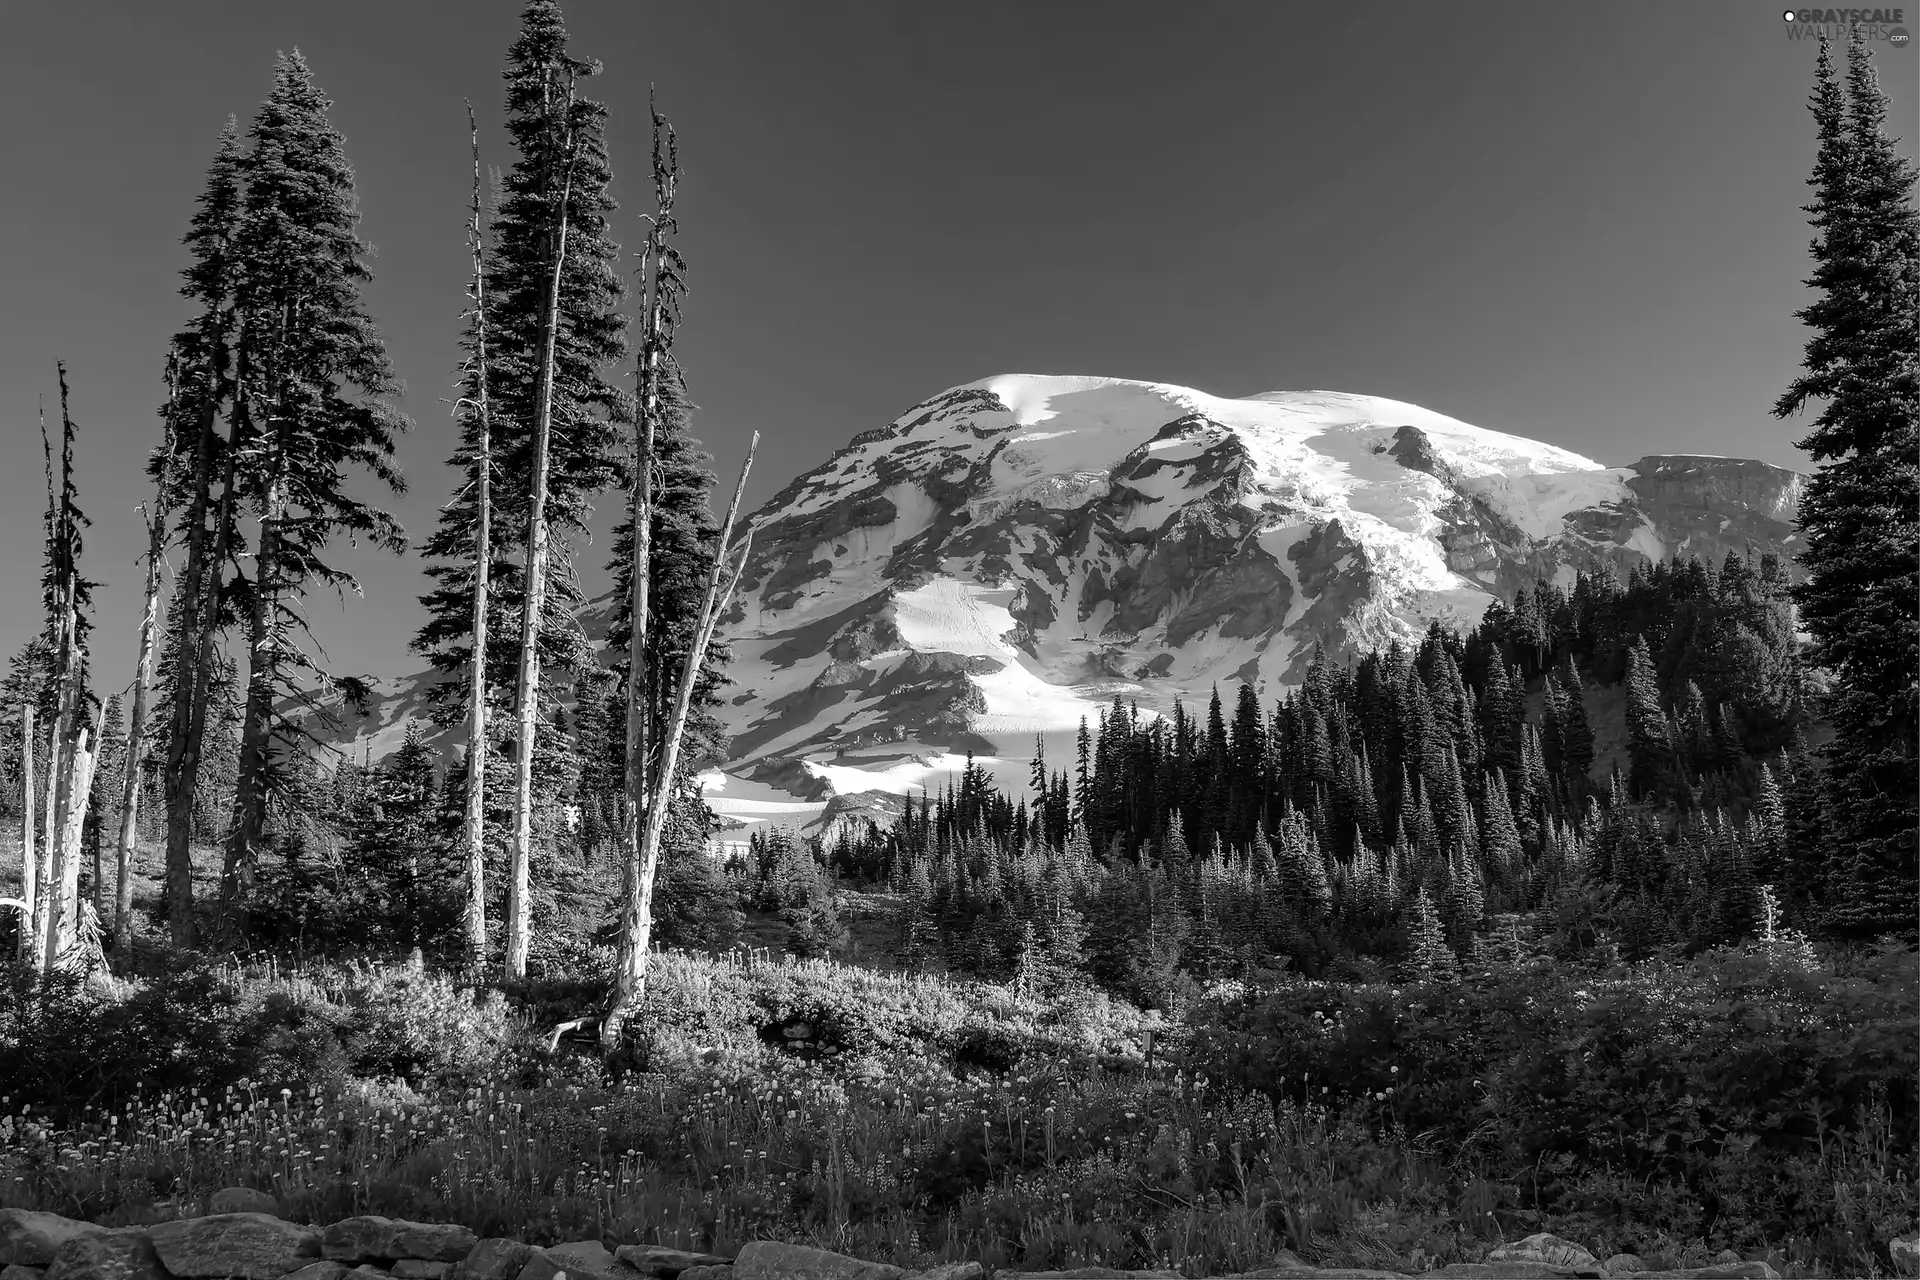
(1011, 554)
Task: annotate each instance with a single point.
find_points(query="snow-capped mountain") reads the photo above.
(1007, 556)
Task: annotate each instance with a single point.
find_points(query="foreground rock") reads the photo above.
(31, 1239)
(371, 1238)
(578, 1260)
(108, 1255)
(250, 1246)
(1906, 1254)
(1543, 1247)
(255, 1245)
(658, 1260)
(322, 1270)
(496, 1258)
(771, 1260)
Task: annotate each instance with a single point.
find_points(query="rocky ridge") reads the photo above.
(244, 1237)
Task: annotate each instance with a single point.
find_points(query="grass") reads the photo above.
(928, 1120)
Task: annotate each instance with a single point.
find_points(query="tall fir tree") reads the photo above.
(313, 388)
(1861, 599)
(199, 457)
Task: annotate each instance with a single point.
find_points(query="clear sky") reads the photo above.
(1575, 222)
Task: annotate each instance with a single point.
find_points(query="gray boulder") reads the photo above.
(19, 1271)
(771, 1260)
(420, 1269)
(1906, 1254)
(108, 1255)
(495, 1258)
(323, 1270)
(248, 1246)
(580, 1260)
(951, 1271)
(658, 1260)
(1624, 1264)
(370, 1237)
(30, 1238)
(1545, 1248)
(708, 1273)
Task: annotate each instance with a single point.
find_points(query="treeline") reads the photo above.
(278, 427)
(1416, 793)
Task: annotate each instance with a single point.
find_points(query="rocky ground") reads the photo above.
(243, 1238)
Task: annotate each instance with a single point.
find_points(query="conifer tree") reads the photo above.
(1861, 600)
(560, 174)
(201, 388)
(1429, 958)
(1500, 838)
(1647, 750)
(312, 388)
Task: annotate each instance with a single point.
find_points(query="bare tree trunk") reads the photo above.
(630, 965)
(526, 698)
(64, 919)
(43, 904)
(93, 852)
(67, 670)
(474, 834)
(29, 868)
(137, 735)
(636, 929)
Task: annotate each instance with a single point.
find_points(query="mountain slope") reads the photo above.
(1010, 555)
(1013, 553)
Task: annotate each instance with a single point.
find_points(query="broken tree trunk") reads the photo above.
(474, 834)
(43, 854)
(636, 922)
(29, 867)
(526, 696)
(633, 934)
(63, 884)
(137, 736)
